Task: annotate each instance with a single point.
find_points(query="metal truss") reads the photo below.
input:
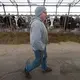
(31, 4)
(15, 4)
(3, 7)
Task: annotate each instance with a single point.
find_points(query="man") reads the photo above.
(38, 40)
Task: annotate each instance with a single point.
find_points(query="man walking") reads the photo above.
(38, 41)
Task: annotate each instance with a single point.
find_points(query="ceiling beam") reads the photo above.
(15, 4)
(59, 3)
(12, 2)
(29, 2)
(44, 2)
(3, 7)
(75, 3)
(42, 5)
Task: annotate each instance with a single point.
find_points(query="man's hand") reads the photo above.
(40, 50)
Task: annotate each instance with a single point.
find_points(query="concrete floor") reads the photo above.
(63, 58)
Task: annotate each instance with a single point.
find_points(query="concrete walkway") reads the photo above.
(63, 58)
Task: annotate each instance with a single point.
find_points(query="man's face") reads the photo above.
(43, 16)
